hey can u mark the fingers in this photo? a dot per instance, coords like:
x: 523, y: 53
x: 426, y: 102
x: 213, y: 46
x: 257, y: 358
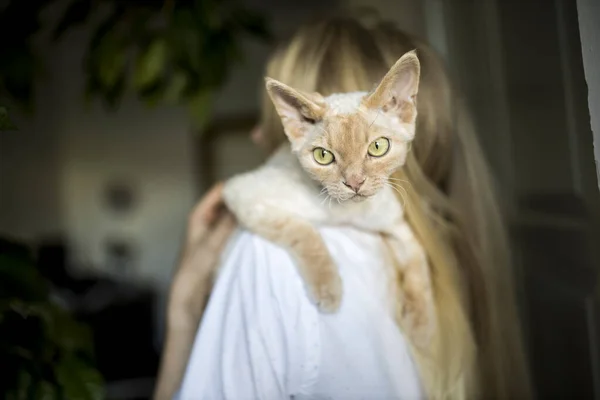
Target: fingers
x: 212, y: 203
x: 201, y: 256
x: 220, y: 233
x: 208, y: 238
x: 205, y: 213
x: 209, y: 205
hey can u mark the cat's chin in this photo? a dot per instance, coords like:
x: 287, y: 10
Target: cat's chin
x: 358, y: 198
x: 354, y: 197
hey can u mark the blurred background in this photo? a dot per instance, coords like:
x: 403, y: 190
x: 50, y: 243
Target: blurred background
x: 115, y: 120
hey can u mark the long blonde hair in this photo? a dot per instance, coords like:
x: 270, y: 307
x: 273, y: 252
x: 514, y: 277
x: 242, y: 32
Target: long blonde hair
x: 449, y: 201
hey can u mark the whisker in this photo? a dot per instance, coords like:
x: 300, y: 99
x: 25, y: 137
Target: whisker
x: 396, y: 182
x: 399, y: 180
x: 399, y: 192
x: 398, y: 186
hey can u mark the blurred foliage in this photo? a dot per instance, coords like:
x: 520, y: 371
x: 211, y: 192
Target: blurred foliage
x: 166, y: 51
x: 44, y: 352
x: 6, y: 123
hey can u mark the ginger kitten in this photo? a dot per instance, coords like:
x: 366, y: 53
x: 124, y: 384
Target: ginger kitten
x: 335, y: 171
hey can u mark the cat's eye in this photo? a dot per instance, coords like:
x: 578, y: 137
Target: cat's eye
x: 322, y: 156
x: 379, y: 147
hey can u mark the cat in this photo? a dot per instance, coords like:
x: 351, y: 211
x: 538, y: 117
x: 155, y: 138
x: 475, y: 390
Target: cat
x: 336, y: 170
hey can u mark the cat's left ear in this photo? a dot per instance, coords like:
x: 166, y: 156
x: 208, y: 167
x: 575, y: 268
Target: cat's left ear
x: 298, y: 110
x: 397, y: 92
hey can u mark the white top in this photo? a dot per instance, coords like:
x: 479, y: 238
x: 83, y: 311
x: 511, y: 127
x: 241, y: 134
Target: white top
x: 262, y: 338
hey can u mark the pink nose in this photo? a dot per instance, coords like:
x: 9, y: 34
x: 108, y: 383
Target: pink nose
x: 355, y: 183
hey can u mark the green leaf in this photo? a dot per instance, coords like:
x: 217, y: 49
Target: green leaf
x: 67, y: 333
x: 106, y: 63
x: 45, y: 391
x: 18, y: 67
x: 140, y: 20
x: 46, y: 330
x: 152, y: 95
x: 18, y: 275
x: 78, y: 380
x: 24, y: 384
x: 199, y: 108
x: 6, y: 123
x: 188, y: 39
x: 107, y: 26
x: 151, y: 63
x: 174, y: 91
x: 111, y: 63
x: 76, y: 14
x: 113, y: 95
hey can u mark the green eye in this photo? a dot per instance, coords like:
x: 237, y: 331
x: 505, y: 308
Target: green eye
x: 322, y: 156
x: 379, y: 147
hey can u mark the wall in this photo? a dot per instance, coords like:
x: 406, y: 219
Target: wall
x: 29, y: 164
x: 589, y: 28
x: 29, y: 202
x: 150, y: 150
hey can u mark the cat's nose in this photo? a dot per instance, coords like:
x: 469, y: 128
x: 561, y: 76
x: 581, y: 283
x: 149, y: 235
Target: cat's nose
x: 355, y: 183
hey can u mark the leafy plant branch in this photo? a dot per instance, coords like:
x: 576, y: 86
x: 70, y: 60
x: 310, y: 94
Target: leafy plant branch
x: 164, y: 51
x: 46, y: 353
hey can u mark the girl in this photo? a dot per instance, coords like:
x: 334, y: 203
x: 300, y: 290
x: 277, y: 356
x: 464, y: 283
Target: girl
x: 262, y: 338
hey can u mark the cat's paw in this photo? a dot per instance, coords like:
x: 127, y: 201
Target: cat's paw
x: 328, y: 292
x: 418, y: 319
x: 418, y: 309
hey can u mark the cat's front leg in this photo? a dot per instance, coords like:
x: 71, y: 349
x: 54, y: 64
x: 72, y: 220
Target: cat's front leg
x: 315, y: 264
x: 416, y: 313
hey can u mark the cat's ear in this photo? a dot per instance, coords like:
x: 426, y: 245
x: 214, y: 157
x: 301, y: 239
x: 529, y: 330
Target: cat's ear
x: 397, y: 92
x: 298, y: 110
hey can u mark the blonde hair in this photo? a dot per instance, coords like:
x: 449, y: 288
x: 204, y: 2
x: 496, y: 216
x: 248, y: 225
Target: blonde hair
x: 450, y: 204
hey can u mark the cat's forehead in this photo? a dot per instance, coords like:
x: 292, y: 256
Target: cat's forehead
x: 344, y: 103
x: 348, y: 119
x: 346, y: 134
x: 345, y: 118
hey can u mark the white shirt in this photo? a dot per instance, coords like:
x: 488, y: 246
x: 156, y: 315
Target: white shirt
x: 262, y: 338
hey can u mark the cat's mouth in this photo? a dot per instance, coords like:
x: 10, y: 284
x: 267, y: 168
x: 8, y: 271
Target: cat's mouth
x: 358, y: 197
x: 353, y: 197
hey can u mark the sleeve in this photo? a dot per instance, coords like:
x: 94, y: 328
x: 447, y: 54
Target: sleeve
x: 259, y: 337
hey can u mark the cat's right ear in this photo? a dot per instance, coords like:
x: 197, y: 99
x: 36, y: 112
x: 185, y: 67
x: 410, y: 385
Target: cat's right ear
x: 397, y: 92
x: 297, y: 110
